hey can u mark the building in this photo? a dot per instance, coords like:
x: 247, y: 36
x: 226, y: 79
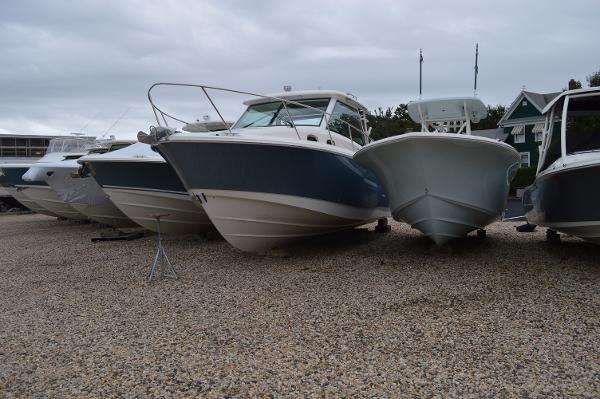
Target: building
x: 524, y: 124
x: 23, y: 147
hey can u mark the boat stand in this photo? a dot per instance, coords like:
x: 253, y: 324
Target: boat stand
x: 161, y: 254
x: 552, y: 237
x: 118, y: 235
x: 382, y: 225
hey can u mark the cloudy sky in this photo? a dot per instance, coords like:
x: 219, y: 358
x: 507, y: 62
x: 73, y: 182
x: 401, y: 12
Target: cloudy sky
x: 70, y: 66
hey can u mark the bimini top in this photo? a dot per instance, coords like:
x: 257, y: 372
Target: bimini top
x: 447, y: 109
x: 568, y: 93
x: 306, y: 94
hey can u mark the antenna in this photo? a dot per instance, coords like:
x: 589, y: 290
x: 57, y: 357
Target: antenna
x: 90, y: 121
x: 420, y: 73
x: 476, y: 68
x: 117, y: 121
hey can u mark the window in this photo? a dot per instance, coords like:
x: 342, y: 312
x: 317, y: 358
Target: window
x: 275, y: 114
x: 524, y: 159
x: 524, y: 103
x: 538, y: 131
x: 583, y: 124
x: 518, y: 133
x: 346, y: 121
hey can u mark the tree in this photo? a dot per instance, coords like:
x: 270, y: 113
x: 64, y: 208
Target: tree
x: 594, y: 79
x: 493, y: 117
x: 574, y: 84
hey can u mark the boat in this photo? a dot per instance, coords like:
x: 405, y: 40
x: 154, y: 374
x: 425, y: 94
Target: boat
x: 12, y: 181
x: 564, y: 196
x: 140, y: 184
x: 284, y: 171
x: 82, y: 192
x: 59, y: 149
x: 444, y: 180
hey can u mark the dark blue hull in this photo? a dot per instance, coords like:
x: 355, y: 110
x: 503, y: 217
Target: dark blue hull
x: 13, y: 176
x: 569, y: 196
x: 274, y: 169
x: 151, y: 176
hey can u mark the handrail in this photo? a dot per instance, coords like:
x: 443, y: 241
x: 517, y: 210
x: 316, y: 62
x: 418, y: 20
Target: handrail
x: 156, y: 110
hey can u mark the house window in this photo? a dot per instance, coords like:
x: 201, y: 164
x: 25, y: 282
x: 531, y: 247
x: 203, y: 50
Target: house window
x: 538, y: 131
x: 525, y: 159
x: 518, y: 133
x: 524, y: 103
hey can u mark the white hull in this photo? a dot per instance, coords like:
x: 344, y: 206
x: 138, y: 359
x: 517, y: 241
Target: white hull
x: 20, y: 196
x: 45, y: 197
x: 255, y: 222
x: 588, y: 231
x: 110, y: 216
x: 445, y: 185
x: 87, y: 197
x: 184, y: 216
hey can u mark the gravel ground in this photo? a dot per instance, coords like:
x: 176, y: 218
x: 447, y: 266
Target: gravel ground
x: 354, y: 314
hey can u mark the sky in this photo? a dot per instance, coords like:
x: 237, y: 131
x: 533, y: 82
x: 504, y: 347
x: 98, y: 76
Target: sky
x: 86, y: 66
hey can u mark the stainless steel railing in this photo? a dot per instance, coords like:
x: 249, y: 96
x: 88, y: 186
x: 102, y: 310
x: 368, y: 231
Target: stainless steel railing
x: 160, y: 114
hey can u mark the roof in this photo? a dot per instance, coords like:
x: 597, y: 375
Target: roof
x: 30, y: 136
x: 447, y: 109
x: 304, y: 94
x: 496, y: 134
x: 569, y: 92
x: 538, y: 100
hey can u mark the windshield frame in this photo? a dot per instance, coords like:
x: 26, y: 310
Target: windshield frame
x: 283, y: 110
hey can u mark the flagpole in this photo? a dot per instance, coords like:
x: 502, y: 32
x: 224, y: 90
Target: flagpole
x: 476, y: 68
x: 420, y: 73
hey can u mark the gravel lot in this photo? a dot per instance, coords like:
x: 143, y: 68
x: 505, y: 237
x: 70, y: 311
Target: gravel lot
x: 357, y: 313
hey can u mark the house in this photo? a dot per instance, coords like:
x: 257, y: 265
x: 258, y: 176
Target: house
x: 524, y: 124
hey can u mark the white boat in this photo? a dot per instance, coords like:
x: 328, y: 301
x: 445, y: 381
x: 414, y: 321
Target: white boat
x: 565, y: 194
x: 82, y: 192
x: 441, y: 183
x: 140, y: 183
x: 60, y: 149
x: 11, y: 179
x: 283, y: 172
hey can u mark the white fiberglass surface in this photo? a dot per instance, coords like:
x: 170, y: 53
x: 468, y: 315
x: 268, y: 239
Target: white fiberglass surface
x: 133, y: 151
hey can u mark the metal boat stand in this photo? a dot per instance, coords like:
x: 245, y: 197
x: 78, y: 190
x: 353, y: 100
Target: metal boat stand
x: 160, y: 254
x: 552, y: 237
x: 382, y: 226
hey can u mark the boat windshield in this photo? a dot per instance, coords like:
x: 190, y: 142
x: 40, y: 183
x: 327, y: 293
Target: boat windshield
x: 275, y: 114
x: 70, y: 144
x: 583, y: 124
x: 345, y: 120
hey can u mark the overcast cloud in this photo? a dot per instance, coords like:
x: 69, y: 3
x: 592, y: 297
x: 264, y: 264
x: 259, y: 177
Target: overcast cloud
x: 68, y: 65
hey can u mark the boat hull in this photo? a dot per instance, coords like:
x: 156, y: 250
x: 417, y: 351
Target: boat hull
x: 265, y: 195
x: 566, y: 200
x: 445, y: 185
x: 183, y: 216
x: 20, y: 196
x: 141, y: 189
x: 45, y: 197
x: 10, y: 177
x: 86, y: 196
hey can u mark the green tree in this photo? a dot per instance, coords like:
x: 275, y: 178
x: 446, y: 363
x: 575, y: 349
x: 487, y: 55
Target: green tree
x: 494, y: 115
x: 574, y: 84
x: 594, y: 79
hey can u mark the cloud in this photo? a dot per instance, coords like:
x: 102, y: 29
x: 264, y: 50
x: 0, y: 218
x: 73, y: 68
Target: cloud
x: 69, y: 64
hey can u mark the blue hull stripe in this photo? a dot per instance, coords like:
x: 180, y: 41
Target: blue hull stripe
x: 273, y: 169
x: 155, y: 176
x: 11, y: 177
